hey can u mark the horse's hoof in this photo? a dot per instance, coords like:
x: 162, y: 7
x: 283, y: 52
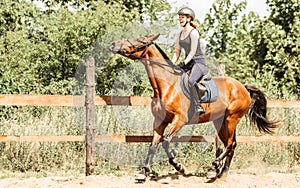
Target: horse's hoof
x: 140, y: 178
x: 181, y: 168
x: 211, y: 174
x: 223, y: 175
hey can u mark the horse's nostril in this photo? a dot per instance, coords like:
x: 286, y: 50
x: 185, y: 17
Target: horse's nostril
x: 112, y: 46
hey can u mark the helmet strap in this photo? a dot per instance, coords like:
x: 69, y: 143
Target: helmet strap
x: 186, y: 22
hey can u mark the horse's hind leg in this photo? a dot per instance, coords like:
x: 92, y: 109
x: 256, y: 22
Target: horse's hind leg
x: 219, y: 144
x: 217, y: 164
x: 228, y: 137
x: 229, y: 156
x: 226, y: 133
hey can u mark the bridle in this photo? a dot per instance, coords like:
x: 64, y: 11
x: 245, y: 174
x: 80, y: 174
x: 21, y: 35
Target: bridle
x: 144, y: 48
x: 136, y: 48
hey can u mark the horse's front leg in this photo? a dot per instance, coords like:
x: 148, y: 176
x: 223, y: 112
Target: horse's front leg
x: 159, y: 128
x: 171, y: 155
x: 175, y: 127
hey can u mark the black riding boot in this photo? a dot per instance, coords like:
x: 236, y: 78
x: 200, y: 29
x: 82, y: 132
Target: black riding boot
x: 196, y: 96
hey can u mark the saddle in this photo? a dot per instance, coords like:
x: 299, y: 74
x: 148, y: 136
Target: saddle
x: 206, y: 85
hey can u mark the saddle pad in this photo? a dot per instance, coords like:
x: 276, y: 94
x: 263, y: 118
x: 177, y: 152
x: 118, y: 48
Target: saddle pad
x: 211, y: 93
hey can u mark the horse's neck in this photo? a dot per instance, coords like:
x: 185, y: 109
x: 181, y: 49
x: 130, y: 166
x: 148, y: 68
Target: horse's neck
x: 159, y: 71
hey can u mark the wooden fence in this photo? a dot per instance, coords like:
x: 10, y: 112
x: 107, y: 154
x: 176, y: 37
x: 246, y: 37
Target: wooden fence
x: 73, y: 101
x: 79, y: 100
x: 130, y: 139
x: 90, y: 100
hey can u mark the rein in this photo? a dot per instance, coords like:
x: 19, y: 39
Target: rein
x: 150, y: 62
x: 136, y: 49
x: 144, y: 47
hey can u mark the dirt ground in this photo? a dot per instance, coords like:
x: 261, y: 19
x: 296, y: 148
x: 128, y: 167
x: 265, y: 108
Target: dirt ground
x: 169, y: 180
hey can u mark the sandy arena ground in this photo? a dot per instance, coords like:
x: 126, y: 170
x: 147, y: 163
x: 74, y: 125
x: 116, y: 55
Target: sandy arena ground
x: 169, y: 180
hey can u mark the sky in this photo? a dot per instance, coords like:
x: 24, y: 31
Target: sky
x: 201, y: 7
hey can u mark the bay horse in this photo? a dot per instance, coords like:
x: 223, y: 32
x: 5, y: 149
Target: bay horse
x: 170, y: 106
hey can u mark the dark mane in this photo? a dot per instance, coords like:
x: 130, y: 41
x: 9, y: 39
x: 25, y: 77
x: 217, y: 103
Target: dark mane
x: 162, y: 52
x: 164, y: 55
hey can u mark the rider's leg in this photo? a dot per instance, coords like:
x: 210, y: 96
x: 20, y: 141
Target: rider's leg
x: 196, y: 98
x: 196, y: 75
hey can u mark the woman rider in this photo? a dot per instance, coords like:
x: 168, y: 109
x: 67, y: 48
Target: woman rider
x: 189, y: 40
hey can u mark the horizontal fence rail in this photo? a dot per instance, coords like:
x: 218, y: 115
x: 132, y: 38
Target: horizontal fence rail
x: 71, y: 100
x: 132, y: 139
x: 79, y: 100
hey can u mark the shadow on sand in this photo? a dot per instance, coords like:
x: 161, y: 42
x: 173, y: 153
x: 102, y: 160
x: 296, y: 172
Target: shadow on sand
x: 176, y: 175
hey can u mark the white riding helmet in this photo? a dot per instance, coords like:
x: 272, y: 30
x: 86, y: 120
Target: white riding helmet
x: 187, y: 11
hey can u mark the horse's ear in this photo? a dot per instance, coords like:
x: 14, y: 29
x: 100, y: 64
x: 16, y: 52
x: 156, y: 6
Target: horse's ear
x: 153, y: 37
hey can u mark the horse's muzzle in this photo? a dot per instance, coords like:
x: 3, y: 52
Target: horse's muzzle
x: 113, y: 47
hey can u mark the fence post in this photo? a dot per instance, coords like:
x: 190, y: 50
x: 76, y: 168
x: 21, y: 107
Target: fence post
x: 221, y: 71
x: 90, y: 116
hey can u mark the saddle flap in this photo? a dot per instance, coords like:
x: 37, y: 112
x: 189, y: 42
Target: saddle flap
x: 206, y: 77
x: 208, y: 87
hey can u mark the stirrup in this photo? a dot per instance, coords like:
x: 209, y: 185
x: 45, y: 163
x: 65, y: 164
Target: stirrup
x: 200, y: 110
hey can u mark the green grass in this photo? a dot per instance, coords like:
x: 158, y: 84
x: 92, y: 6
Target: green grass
x: 40, y: 159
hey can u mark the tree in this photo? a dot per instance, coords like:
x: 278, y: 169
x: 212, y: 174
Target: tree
x: 15, y: 65
x: 42, y: 49
x: 220, y: 23
x: 277, y: 40
x: 262, y: 51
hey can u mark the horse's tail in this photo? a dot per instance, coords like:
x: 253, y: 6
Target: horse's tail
x: 258, y: 111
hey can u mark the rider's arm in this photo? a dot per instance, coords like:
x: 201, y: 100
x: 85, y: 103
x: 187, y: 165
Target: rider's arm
x: 177, y: 52
x: 194, y: 45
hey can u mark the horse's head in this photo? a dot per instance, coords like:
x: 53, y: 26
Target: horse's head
x: 133, y: 48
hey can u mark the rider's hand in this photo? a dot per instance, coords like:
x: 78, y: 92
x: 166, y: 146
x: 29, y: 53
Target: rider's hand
x: 181, y: 64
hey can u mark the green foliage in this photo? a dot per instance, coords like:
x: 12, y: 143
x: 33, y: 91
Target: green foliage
x: 250, y: 46
x: 277, y: 44
x: 155, y: 9
x: 222, y: 21
x: 16, y: 69
x: 41, y: 50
